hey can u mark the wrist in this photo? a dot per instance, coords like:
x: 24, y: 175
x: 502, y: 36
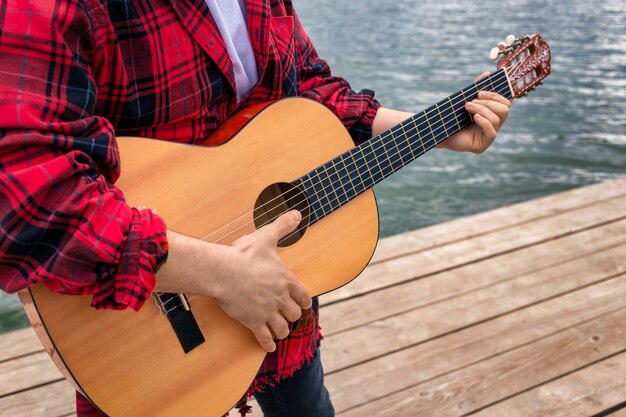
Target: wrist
x: 193, y: 266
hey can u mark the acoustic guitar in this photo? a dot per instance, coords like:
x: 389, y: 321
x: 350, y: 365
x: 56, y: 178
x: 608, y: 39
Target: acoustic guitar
x: 182, y: 355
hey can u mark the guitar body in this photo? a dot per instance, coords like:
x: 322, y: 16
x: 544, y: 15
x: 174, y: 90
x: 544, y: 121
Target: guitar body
x: 131, y: 363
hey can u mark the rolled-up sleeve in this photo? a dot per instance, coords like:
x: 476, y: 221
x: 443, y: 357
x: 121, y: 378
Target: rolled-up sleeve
x: 62, y: 220
x: 356, y: 110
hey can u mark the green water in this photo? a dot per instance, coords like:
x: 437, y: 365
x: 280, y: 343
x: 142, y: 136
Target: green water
x: 569, y: 133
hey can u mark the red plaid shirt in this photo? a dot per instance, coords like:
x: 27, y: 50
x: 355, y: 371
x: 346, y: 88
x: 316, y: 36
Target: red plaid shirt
x: 75, y: 73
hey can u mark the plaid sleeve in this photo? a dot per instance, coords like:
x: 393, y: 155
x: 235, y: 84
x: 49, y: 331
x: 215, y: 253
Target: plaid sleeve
x: 62, y: 221
x: 355, y: 109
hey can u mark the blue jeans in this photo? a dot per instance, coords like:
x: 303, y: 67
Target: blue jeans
x: 301, y: 395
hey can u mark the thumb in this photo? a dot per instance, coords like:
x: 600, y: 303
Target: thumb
x: 283, y: 225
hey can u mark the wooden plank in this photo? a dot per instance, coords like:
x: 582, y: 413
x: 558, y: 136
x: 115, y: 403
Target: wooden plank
x: 420, y: 264
x: 27, y: 371
x: 420, y: 324
x: 449, y: 234
x: 18, y: 343
x: 394, y: 300
x: 398, y: 370
x: 619, y: 413
x: 493, y: 220
x: 53, y: 400
x: 503, y: 375
x: 586, y: 392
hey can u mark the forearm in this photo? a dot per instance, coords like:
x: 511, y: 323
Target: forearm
x: 490, y: 111
x: 247, y: 278
x: 193, y: 266
x: 387, y: 118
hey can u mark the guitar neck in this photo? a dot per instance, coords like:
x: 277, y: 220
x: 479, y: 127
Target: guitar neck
x: 345, y: 177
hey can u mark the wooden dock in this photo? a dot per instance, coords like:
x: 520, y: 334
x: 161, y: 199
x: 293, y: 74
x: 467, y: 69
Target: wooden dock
x: 520, y: 311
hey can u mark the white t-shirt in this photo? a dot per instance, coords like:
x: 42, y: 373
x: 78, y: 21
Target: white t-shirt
x: 230, y: 17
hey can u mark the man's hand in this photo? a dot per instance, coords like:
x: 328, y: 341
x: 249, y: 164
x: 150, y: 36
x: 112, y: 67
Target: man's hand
x: 489, y: 111
x: 262, y: 293
x: 248, y: 278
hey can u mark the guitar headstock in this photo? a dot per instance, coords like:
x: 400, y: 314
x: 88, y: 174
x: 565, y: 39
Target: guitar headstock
x: 527, y: 62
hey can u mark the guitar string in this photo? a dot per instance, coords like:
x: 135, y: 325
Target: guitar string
x: 390, y: 163
x: 391, y: 132
x: 427, y: 144
x: 348, y: 168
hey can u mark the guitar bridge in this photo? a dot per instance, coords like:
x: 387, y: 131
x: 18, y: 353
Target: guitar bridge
x: 178, y: 311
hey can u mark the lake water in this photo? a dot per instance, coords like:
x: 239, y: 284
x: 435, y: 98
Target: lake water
x: 570, y: 132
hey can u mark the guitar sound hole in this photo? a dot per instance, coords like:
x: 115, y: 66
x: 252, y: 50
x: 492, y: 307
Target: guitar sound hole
x: 278, y: 199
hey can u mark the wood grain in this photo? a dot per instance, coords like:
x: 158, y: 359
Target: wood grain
x: 405, y: 268
x: 477, y: 333
x: 589, y: 391
x: 393, y: 300
x: 619, y: 413
x: 21, y: 342
x: 53, y: 400
x: 398, y: 370
x: 414, y: 326
x: 504, y: 375
x: 498, y: 219
x: 26, y: 372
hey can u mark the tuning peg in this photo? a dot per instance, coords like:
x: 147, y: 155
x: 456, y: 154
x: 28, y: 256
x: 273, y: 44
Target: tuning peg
x: 509, y: 40
x: 493, y: 54
x: 501, y: 46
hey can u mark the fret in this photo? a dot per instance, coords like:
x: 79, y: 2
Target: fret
x: 378, y: 171
x: 329, y: 190
x: 474, y: 94
x: 491, y: 83
x: 430, y: 127
x: 443, y: 123
x: 382, y: 143
x: 410, y: 132
x: 331, y: 183
x: 501, y: 82
x: 357, y: 171
x: 366, y: 170
x: 449, y: 117
x: 335, y: 183
x: 394, y: 160
x: 347, y: 175
x: 393, y: 138
x: 355, y: 180
x: 502, y: 85
x: 454, y: 113
x: 408, y: 141
x: 419, y: 135
x: 311, y: 193
x: 324, y: 200
x: 459, y: 110
x: 334, y: 179
x: 381, y: 157
x: 465, y: 101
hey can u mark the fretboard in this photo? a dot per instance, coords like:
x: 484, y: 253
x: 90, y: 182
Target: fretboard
x: 343, y: 178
